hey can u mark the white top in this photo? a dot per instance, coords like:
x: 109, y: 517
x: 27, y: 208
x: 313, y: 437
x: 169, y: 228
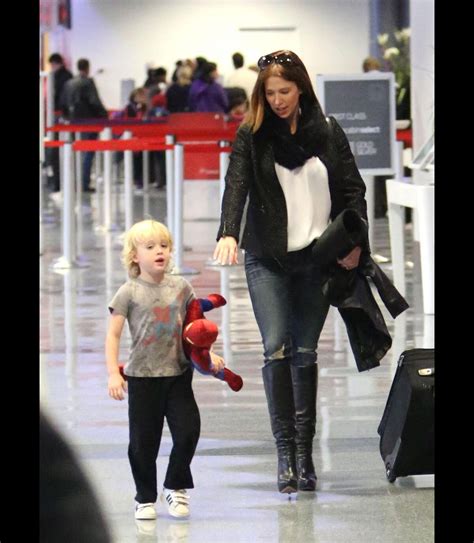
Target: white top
x: 243, y: 78
x: 308, y: 201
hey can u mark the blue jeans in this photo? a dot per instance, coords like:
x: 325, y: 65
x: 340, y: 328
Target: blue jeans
x: 288, y: 304
x: 87, y: 159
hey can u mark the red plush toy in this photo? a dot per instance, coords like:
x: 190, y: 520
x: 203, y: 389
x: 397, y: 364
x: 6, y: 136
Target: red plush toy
x: 198, y: 336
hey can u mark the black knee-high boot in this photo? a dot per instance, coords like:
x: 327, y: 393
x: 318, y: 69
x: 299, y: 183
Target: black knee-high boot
x: 305, y: 386
x: 279, y: 393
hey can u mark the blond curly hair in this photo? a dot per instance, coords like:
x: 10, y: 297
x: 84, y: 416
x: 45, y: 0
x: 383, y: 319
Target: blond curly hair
x: 141, y: 232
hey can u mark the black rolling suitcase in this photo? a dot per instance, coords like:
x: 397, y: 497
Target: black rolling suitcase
x: 407, y: 426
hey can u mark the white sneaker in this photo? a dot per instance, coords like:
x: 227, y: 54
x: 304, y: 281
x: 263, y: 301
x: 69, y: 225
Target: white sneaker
x: 177, y: 502
x: 145, y: 511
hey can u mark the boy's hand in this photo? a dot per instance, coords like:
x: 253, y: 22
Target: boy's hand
x: 117, y: 386
x: 217, y: 363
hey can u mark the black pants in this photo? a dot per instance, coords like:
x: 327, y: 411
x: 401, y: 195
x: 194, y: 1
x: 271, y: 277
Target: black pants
x: 158, y: 167
x: 150, y: 400
x: 52, y: 160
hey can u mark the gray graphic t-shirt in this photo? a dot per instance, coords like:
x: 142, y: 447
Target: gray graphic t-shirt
x: 155, y: 315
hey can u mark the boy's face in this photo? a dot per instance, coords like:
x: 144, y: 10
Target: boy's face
x: 153, y: 257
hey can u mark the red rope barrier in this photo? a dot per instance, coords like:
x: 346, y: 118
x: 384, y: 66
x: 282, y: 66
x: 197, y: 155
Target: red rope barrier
x: 53, y: 143
x: 157, y: 130
x: 75, y: 128
x: 120, y: 145
x: 137, y: 144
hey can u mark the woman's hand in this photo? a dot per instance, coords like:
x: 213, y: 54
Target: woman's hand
x: 117, y: 386
x: 351, y: 260
x: 217, y: 363
x: 226, y: 251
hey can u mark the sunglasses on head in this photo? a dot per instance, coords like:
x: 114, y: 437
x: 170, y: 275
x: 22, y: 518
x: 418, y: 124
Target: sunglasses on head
x: 285, y: 59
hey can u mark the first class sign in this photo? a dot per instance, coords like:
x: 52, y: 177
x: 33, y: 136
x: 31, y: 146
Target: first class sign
x: 364, y: 106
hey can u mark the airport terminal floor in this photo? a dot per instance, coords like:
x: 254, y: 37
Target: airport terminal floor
x: 235, y: 499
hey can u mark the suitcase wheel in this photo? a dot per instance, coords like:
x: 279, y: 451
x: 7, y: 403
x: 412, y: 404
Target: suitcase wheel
x: 390, y: 476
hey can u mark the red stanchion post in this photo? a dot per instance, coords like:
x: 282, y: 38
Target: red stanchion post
x: 225, y: 321
x: 223, y: 165
x: 146, y: 170
x: 128, y: 183
x: 67, y: 260
x: 179, y: 268
x: 80, y: 257
x: 98, y: 166
x: 169, y: 156
x: 178, y: 203
x: 78, y: 137
x: 108, y: 226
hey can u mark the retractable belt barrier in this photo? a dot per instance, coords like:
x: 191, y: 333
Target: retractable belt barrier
x: 128, y: 145
x: 159, y: 129
x: 132, y: 144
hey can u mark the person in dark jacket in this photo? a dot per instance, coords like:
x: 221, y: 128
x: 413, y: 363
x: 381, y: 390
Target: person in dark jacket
x: 69, y: 509
x: 299, y: 173
x: 178, y: 92
x: 60, y: 75
x: 80, y: 100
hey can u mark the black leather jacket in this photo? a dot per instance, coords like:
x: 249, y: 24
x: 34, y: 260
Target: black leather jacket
x: 252, y: 172
x: 80, y: 99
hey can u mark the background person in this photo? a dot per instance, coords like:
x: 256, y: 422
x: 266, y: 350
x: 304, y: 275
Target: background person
x: 241, y: 76
x: 371, y: 64
x: 206, y: 94
x: 60, y: 76
x: 80, y: 100
x: 68, y: 507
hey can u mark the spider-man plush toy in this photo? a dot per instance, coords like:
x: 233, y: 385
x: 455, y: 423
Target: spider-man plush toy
x: 198, y: 336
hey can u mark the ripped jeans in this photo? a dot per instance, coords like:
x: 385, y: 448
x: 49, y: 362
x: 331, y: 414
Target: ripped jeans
x: 288, y: 304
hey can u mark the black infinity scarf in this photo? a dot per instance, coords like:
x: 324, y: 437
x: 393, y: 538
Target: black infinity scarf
x: 293, y: 150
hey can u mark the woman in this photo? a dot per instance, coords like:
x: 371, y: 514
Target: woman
x: 206, y: 94
x: 177, y: 93
x: 297, y: 168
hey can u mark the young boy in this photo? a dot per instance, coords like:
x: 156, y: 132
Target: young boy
x: 158, y: 374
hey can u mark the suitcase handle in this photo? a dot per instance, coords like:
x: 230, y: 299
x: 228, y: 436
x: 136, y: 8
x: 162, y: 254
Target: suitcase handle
x: 426, y: 371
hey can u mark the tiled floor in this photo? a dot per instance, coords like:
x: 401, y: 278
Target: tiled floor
x: 235, y: 499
